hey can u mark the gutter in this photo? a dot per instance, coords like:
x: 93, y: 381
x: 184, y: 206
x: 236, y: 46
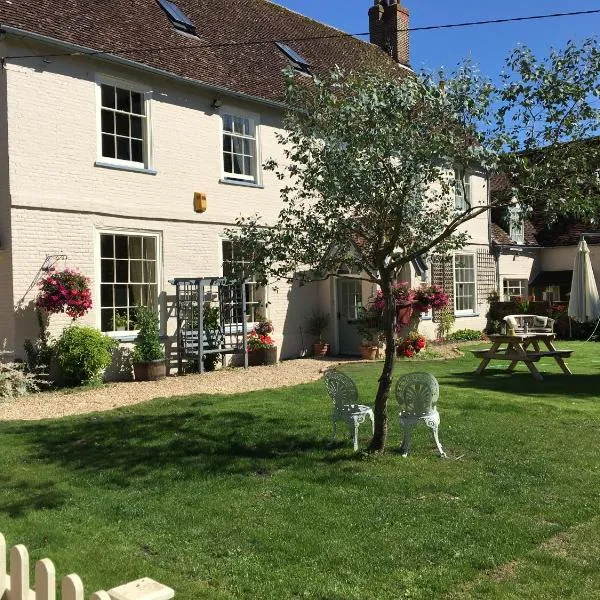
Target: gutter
x: 112, y: 58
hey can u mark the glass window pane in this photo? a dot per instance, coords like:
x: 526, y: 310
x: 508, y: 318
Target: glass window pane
x: 106, y: 246
x: 238, y: 168
x: 152, y: 298
x: 108, y: 96
x: 121, y: 295
x: 106, y: 319
x: 248, y: 144
x: 122, y: 271
x: 136, y: 127
x: 106, y: 296
x: 108, y: 121
x: 123, y: 100
x: 122, y: 124
x: 137, y: 105
x: 137, y: 151
x: 227, y: 123
x: 227, y: 163
x: 227, y: 250
x: 238, y: 125
x: 123, y: 152
x: 135, y: 247
x: 238, y: 146
x: 136, y: 271
x: 108, y: 146
x: 247, y: 166
x: 136, y: 297
x: 121, y: 246
x: 150, y: 248
x: 227, y: 144
x: 149, y: 272
x: 107, y: 270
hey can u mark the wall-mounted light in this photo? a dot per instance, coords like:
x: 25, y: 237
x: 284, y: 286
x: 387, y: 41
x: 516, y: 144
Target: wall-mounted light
x: 216, y: 104
x: 199, y: 202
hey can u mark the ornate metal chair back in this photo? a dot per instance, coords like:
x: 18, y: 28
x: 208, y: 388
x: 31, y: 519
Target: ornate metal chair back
x: 341, y: 388
x: 417, y: 394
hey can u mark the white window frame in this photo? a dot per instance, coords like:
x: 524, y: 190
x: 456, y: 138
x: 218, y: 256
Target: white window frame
x: 132, y: 334
x: 462, y: 202
x: 146, y: 164
x: 255, y: 177
x: 249, y: 324
x: 525, y: 288
x: 516, y: 226
x: 468, y: 312
x: 551, y: 289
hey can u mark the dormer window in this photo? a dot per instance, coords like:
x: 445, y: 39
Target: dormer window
x: 179, y: 20
x: 517, y: 226
x: 298, y: 62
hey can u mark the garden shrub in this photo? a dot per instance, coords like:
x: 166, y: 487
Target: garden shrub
x: 147, y: 344
x: 82, y: 354
x: 14, y: 381
x: 465, y: 335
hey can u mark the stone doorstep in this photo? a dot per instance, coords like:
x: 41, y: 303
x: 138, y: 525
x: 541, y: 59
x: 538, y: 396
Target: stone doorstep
x: 142, y: 589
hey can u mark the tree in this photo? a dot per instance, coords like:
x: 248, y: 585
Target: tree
x: 369, y: 175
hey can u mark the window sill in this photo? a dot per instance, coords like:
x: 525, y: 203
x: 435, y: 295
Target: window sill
x: 122, y: 336
x: 463, y: 315
x: 242, y: 183
x: 132, y: 169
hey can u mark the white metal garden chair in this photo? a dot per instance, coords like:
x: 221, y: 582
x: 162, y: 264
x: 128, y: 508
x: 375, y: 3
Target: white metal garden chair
x: 344, y: 394
x: 417, y: 394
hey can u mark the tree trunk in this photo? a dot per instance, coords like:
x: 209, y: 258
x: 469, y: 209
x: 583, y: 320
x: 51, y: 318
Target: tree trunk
x: 385, y: 380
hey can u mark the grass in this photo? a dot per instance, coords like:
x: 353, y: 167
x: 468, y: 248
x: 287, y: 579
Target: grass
x: 242, y: 497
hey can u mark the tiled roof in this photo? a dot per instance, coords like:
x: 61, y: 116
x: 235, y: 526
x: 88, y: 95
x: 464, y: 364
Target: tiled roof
x: 130, y: 27
x: 501, y: 238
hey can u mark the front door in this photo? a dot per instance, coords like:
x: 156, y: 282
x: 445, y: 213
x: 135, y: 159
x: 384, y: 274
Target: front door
x: 349, y: 302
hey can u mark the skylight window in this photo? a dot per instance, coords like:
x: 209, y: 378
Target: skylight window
x: 179, y: 20
x: 299, y: 62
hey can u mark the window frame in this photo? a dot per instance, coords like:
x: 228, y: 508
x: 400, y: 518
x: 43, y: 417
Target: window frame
x: 227, y: 177
x: 551, y: 289
x: 463, y: 312
x: 147, y: 163
x: 524, y: 289
x: 127, y: 336
x: 467, y: 198
x: 249, y: 324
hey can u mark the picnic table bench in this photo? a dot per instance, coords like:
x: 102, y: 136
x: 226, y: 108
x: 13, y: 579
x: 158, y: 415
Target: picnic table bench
x: 518, y: 350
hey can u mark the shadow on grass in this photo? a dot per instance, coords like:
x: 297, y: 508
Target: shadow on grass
x: 522, y: 383
x: 126, y: 447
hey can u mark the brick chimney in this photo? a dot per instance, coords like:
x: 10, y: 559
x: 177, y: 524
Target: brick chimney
x: 388, y: 22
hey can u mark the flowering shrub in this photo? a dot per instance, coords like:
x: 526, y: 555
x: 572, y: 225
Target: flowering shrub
x: 420, y: 299
x: 432, y: 296
x: 264, y: 328
x: 412, y: 345
x: 256, y: 341
x: 65, y: 291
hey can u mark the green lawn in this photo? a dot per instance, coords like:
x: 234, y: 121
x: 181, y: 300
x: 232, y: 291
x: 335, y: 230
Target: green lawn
x: 241, y: 497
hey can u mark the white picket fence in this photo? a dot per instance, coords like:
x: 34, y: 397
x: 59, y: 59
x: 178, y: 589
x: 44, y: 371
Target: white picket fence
x: 14, y: 584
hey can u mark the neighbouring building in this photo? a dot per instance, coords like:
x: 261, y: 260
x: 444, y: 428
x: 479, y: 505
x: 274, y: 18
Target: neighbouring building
x: 114, y: 114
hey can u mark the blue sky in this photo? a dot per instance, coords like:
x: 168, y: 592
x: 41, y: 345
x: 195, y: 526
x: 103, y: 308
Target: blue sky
x: 488, y: 45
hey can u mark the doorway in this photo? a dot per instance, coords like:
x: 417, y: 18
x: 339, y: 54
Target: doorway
x: 349, y: 303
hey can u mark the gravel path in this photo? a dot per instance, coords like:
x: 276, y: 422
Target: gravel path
x: 50, y: 405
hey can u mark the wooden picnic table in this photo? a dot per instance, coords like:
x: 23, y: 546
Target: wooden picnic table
x: 522, y: 347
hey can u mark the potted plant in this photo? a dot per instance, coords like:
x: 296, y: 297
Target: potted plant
x: 369, y: 327
x: 120, y: 322
x: 261, y: 347
x: 148, y: 356
x: 316, y: 326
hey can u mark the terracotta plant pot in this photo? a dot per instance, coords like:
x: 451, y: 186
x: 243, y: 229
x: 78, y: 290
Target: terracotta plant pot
x: 369, y: 352
x: 320, y: 349
x: 150, y: 371
x: 262, y: 356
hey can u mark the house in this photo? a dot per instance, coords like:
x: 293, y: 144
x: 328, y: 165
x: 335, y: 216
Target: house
x: 115, y: 116
x: 535, y: 259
